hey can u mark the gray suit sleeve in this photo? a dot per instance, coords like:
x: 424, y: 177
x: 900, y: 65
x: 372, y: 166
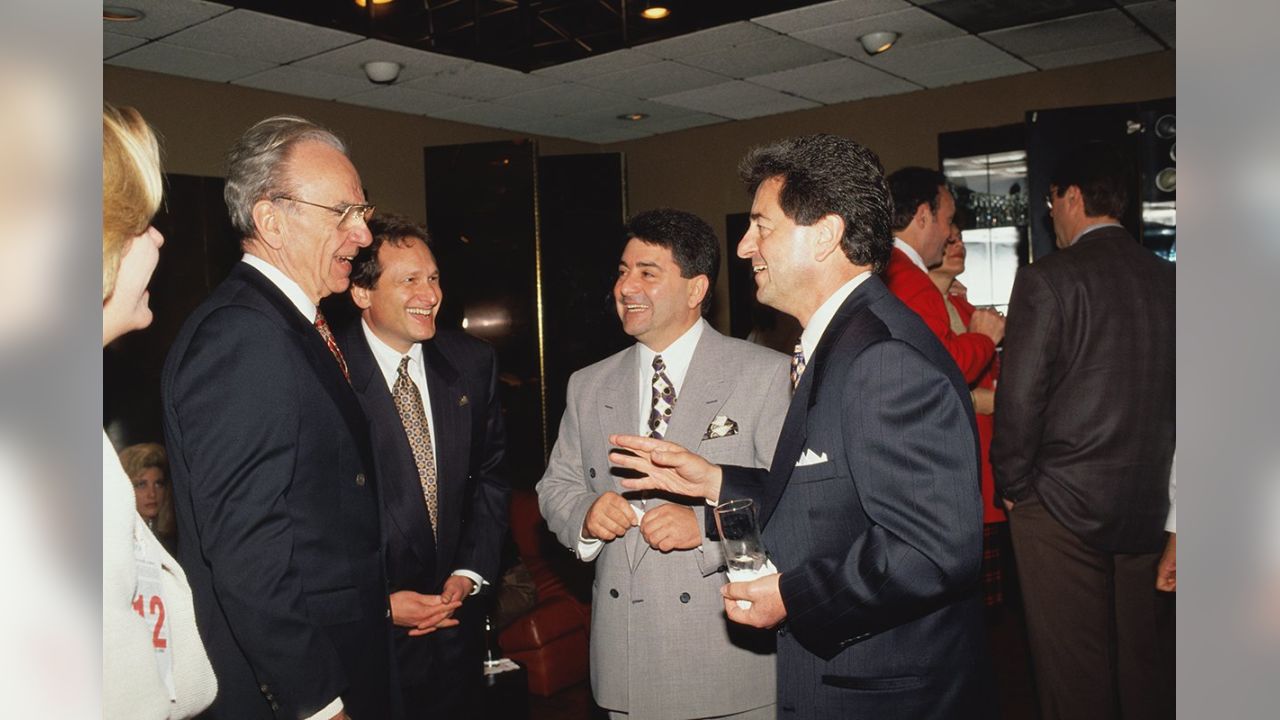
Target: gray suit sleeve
x: 564, y: 493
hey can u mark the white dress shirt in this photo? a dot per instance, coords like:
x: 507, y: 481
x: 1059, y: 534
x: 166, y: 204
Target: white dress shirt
x: 910, y: 252
x: 1090, y: 228
x: 676, y: 357
x: 286, y: 285
x: 388, y: 360
x: 821, y: 317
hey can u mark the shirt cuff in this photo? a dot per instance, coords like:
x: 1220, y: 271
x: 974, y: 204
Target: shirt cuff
x: 588, y: 549
x: 328, y: 711
x: 477, y: 581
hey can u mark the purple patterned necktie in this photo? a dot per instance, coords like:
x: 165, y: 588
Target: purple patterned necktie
x: 664, y: 400
x: 797, y: 365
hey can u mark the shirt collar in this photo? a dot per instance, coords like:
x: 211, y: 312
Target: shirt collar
x: 1091, y: 228
x: 676, y: 357
x: 910, y: 252
x: 291, y: 289
x: 822, y: 316
x: 388, y: 358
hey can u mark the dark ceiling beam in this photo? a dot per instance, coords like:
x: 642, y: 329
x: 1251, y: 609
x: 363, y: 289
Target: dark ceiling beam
x: 564, y: 34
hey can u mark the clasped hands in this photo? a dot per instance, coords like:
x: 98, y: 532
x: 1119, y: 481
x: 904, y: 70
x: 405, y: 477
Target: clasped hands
x: 664, y: 527
x: 424, y: 614
x: 669, y: 467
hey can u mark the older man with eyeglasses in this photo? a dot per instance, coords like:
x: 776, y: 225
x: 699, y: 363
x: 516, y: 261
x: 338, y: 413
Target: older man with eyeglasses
x: 271, y: 462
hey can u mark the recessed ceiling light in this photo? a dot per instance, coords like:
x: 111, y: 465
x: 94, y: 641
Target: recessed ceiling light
x: 116, y: 13
x: 877, y: 42
x: 634, y: 117
x: 654, y: 11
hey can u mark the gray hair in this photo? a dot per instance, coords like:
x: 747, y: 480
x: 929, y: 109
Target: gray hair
x: 257, y: 162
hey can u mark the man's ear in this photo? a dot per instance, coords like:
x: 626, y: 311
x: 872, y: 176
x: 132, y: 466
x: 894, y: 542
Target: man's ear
x: 267, y: 220
x: 699, y: 286
x: 923, y: 215
x: 360, y: 296
x: 829, y: 232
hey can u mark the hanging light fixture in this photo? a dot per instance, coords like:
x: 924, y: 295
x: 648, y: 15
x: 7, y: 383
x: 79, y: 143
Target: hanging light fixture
x: 362, y: 3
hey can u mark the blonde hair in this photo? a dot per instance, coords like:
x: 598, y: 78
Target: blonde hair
x: 132, y: 186
x: 136, y: 458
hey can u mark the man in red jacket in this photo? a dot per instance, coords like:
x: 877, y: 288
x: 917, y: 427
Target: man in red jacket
x: 923, y: 209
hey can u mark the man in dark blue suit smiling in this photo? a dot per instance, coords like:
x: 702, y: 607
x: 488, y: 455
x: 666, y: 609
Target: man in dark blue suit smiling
x: 871, y: 509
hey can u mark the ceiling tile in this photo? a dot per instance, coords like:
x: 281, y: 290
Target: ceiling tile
x: 597, y: 65
x: 349, y: 60
x: 659, y: 78
x: 973, y: 73
x: 400, y: 98
x: 759, y: 57
x: 738, y: 100
x: 500, y: 116
x: 918, y: 63
x: 1094, y: 53
x: 828, y: 13
x: 915, y: 26
x: 714, y: 38
x: 246, y: 33
x: 163, y: 17
x: 478, y: 81
x: 835, y: 81
x: 294, y: 80
x: 1096, y: 28
x: 164, y: 58
x: 562, y: 99
x: 113, y: 44
x: 1159, y: 18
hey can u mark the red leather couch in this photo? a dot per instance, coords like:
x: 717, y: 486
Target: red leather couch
x: 551, y: 639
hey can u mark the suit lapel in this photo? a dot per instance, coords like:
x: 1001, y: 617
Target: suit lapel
x: 318, y: 356
x: 451, y: 435
x: 399, y: 486
x: 795, y: 429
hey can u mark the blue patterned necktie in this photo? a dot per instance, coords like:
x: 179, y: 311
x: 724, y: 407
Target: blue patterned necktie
x: 664, y: 400
x: 414, y: 418
x: 797, y: 365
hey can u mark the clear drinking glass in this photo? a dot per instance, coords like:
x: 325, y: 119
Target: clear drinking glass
x: 744, y: 551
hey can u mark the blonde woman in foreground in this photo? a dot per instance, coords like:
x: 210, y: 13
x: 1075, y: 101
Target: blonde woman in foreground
x: 153, y: 663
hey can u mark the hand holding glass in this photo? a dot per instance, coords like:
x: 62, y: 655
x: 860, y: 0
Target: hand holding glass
x: 744, y: 552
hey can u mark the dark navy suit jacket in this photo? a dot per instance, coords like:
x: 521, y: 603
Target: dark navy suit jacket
x: 277, y: 508
x: 880, y: 545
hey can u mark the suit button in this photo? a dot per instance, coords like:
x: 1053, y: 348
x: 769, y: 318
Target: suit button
x: 591, y: 472
x: 684, y: 598
x: 613, y: 592
x: 360, y: 479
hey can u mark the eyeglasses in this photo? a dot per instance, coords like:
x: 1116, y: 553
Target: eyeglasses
x: 345, y: 213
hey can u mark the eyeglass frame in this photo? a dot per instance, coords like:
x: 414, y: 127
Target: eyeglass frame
x: 1048, y: 199
x: 343, y: 212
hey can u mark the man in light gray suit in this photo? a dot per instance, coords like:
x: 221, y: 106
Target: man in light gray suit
x: 658, y: 577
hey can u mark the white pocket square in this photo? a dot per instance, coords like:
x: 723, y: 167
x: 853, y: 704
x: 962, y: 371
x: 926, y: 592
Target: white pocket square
x: 721, y: 426
x: 811, y: 458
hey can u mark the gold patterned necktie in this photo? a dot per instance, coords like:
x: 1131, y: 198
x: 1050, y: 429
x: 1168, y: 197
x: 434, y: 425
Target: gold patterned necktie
x: 664, y: 400
x: 414, y: 418
x: 323, y: 326
x: 797, y: 365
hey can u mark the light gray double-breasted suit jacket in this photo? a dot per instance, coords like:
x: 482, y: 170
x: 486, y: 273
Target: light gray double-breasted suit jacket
x: 661, y: 646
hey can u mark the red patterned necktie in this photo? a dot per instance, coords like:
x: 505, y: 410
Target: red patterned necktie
x: 323, y: 326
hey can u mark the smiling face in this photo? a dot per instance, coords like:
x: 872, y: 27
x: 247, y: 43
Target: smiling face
x: 655, y: 303
x: 402, y: 305
x: 149, y: 488
x: 780, y: 252
x: 316, y: 247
